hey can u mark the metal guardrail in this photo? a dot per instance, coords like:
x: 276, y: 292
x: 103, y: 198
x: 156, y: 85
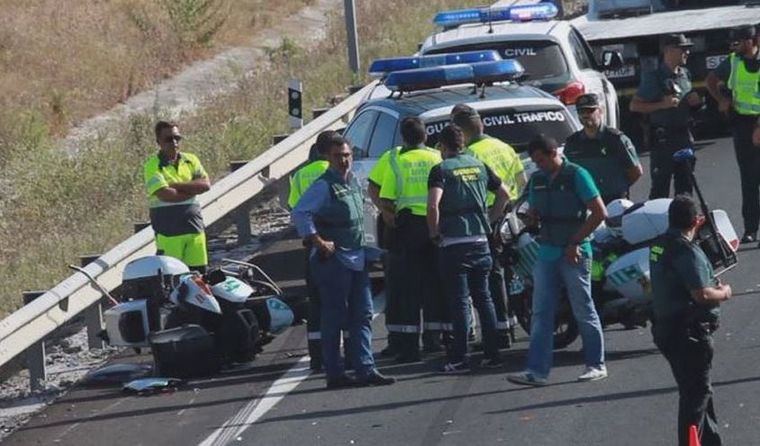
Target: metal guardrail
x: 26, y: 328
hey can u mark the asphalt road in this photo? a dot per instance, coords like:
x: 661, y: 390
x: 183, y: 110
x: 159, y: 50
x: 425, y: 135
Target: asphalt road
x: 636, y: 405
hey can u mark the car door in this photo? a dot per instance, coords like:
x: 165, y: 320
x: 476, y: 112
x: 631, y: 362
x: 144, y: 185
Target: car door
x: 371, y: 133
x: 594, y: 79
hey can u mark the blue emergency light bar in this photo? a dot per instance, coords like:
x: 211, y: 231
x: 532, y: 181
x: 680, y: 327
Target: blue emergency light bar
x: 381, y: 67
x: 538, y: 11
x: 475, y: 73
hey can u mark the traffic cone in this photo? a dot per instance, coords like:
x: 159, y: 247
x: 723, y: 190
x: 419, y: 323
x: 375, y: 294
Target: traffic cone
x: 693, y: 436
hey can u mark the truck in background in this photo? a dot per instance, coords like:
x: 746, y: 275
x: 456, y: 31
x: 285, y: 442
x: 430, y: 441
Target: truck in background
x: 633, y: 28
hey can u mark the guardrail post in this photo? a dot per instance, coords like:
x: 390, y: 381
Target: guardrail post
x: 35, y: 354
x: 243, y: 214
x: 276, y: 139
x: 139, y: 226
x: 317, y: 112
x: 93, y: 316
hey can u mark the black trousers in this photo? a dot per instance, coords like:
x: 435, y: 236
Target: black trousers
x: 414, y: 284
x: 748, y: 159
x: 662, y: 168
x: 690, y: 354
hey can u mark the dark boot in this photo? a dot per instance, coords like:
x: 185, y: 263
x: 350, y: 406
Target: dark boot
x: 315, y: 355
x: 409, y: 348
x: 431, y: 341
x: 392, y: 348
x: 348, y: 363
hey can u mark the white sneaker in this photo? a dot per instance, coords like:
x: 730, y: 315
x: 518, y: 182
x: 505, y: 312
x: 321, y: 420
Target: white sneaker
x: 593, y: 373
x: 526, y: 378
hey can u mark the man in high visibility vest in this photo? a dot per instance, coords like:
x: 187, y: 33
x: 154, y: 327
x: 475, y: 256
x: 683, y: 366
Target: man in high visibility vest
x: 299, y: 183
x: 173, y: 179
x: 502, y: 159
x: 740, y: 73
x: 414, y: 282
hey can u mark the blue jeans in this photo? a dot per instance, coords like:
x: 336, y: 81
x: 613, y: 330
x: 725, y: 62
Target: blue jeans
x: 548, y: 277
x: 464, y: 273
x: 346, y: 302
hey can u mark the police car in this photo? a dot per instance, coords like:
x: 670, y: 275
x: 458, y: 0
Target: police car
x: 555, y: 55
x: 510, y: 111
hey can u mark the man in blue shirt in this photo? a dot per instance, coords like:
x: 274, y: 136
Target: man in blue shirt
x: 330, y: 218
x: 560, y: 195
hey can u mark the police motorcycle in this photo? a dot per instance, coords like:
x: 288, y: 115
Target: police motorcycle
x: 620, y: 271
x: 237, y: 309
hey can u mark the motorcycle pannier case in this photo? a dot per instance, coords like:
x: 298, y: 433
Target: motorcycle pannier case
x: 184, y: 352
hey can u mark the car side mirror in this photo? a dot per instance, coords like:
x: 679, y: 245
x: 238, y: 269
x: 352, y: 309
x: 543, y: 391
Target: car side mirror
x: 612, y: 60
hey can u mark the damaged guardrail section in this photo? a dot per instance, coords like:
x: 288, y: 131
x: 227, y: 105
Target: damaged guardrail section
x: 26, y: 328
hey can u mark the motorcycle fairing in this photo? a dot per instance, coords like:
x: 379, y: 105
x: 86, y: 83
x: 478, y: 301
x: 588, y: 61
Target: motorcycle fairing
x: 232, y: 290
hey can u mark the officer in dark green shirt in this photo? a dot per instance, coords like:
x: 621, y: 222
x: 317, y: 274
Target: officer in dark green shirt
x: 686, y: 299
x: 606, y: 153
x: 666, y: 97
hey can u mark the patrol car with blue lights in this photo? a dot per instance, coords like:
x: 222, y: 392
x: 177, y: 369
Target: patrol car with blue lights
x: 428, y: 87
x: 555, y: 55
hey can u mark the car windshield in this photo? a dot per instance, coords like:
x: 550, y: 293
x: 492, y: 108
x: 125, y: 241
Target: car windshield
x: 516, y: 126
x: 542, y: 59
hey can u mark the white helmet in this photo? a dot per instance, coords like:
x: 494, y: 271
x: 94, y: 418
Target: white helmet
x: 615, y: 210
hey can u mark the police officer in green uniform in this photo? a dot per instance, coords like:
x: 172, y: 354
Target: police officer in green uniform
x: 173, y: 179
x: 665, y: 96
x: 740, y: 73
x: 299, y: 183
x: 414, y: 283
x: 606, y: 153
x: 686, y: 308
x: 502, y: 159
x: 458, y: 221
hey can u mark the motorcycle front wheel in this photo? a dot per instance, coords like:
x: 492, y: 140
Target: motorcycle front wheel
x: 565, y: 327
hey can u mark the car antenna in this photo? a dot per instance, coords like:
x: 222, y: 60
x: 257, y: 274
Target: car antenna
x: 490, y: 20
x: 482, y: 91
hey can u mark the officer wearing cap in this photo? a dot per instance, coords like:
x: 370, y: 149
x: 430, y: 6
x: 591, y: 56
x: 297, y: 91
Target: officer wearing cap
x: 605, y: 152
x: 740, y: 73
x: 666, y: 97
x: 413, y: 286
x: 686, y: 298
x: 299, y: 183
x: 502, y: 159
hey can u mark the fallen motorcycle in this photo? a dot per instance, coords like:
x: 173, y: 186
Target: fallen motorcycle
x: 235, y: 312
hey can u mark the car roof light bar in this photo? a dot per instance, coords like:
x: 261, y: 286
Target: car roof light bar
x: 539, y: 11
x: 475, y: 73
x: 382, y: 67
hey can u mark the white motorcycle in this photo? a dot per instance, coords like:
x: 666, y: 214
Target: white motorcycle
x: 620, y: 273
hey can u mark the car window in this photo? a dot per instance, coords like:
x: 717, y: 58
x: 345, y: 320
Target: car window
x: 383, y: 136
x: 579, y: 51
x: 541, y: 59
x: 360, y: 130
x: 517, y: 126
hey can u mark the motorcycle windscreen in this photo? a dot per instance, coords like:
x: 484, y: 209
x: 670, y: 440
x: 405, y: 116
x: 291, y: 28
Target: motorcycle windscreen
x: 232, y: 290
x: 725, y: 228
x: 629, y: 275
x: 280, y: 314
x: 646, y: 222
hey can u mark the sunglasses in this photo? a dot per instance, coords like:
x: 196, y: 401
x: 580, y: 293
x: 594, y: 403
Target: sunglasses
x: 172, y: 138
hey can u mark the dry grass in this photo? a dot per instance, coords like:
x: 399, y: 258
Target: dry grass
x: 54, y: 209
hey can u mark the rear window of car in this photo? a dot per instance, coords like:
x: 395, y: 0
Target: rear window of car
x: 516, y: 126
x: 541, y: 59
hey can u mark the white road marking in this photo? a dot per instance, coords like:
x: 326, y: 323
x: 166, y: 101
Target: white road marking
x: 258, y: 407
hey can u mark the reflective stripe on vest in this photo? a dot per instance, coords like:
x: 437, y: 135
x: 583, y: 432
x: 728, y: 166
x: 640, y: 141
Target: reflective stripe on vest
x: 744, y: 86
x: 411, y: 169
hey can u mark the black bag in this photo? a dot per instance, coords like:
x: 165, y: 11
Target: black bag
x: 184, y: 352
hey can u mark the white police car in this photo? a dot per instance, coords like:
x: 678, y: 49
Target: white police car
x: 511, y: 112
x: 555, y: 55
